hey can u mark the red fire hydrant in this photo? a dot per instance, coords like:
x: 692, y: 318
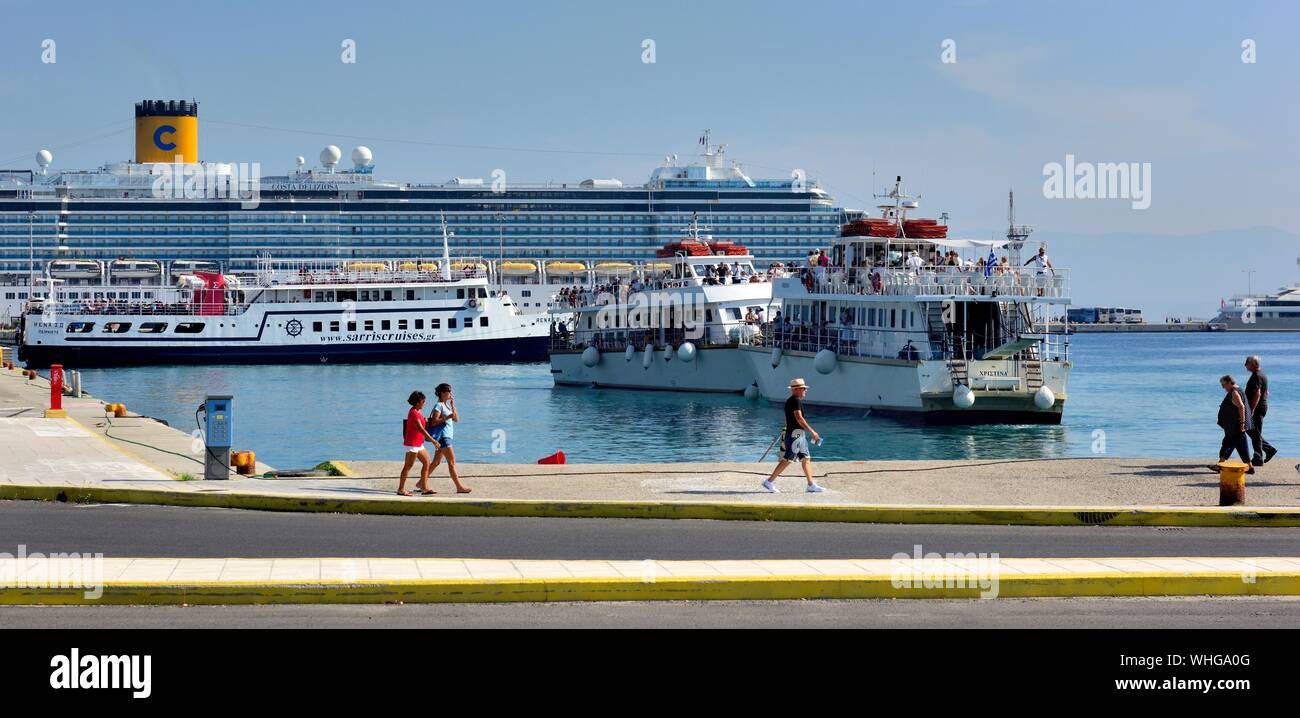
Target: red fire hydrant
x: 56, y: 394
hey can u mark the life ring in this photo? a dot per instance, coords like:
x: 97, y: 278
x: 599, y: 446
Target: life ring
x: 473, y: 303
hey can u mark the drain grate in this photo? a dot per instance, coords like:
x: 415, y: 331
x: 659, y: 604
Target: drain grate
x: 1093, y: 518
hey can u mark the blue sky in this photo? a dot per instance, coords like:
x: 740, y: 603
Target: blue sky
x: 835, y: 88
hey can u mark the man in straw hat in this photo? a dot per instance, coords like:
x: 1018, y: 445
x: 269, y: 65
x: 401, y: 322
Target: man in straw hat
x: 794, y: 439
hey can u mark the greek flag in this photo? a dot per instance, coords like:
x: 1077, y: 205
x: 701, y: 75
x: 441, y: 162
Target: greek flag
x: 988, y: 267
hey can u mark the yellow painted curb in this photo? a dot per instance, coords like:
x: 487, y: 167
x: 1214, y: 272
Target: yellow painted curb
x: 704, y: 588
x: 1234, y: 516
x: 343, y: 468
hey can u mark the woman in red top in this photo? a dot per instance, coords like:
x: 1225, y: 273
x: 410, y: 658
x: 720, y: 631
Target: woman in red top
x: 414, y: 434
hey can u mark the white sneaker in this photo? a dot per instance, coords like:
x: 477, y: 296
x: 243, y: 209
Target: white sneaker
x: 771, y: 487
x: 815, y: 489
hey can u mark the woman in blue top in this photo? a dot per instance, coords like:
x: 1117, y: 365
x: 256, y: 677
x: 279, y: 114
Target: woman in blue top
x: 442, y: 424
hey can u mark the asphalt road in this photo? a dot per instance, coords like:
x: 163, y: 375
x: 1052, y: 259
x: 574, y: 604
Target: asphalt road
x: 999, y: 613
x: 158, y: 531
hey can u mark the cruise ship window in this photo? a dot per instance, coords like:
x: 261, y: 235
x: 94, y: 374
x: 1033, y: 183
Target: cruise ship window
x: 435, y: 324
x: 189, y: 327
x: 451, y: 323
x: 482, y: 321
x: 352, y: 326
x: 410, y: 294
x: 401, y: 325
x: 460, y: 293
x: 369, y: 325
x: 316, y: 326
x: 893, y: 315
x: 388, y: 295
x: 419, y: 323
x: 153, y: 327
x: 385, y: 325
x: 334, y: 326
x: 80, y: 327
x: 117, y: 327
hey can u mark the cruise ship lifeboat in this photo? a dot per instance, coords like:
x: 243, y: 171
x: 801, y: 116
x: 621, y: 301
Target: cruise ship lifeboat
x: 134, y: 269
x: 615, y: 268
x: 565, y: 269
x: 518, y: 269
x: 75, y: 269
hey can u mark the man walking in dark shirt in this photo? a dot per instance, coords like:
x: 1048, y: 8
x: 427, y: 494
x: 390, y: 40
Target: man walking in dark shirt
x: 1257, y: 403
x: 794, y: 439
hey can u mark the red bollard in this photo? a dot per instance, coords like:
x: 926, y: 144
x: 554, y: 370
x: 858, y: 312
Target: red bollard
x: 56, y: 394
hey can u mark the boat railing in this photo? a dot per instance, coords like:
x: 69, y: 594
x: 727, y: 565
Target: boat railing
x: 396, y: 276
x: 898, y: 343
x: 610, y: 294
x: 140, y: 308
x: 716, y: 334
x: 938, y: 280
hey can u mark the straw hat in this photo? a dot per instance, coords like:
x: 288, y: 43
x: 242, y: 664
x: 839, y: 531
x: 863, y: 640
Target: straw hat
x: 798, y: 384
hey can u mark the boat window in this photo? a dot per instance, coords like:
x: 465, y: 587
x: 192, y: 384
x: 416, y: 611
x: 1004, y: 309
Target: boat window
x: 460, y: 293
x: 482, y: 321
x: 435, y: 324
x: 482, y: 293
x: 451, y: 323
x: 349, y: 295
x: 419, y: 323
x: 735, y: 312
x: 388, y: 295
x: 189, y: 327
x: 316, y: 326
x: 410, y: 294
x: 80, y: 327
x: 153, y: 327
x: 893, y: 315
x: 385, y: 325
x: 352, y: 326
x: 370, y: 325
x: 401, y: 325
x: 334, y: 326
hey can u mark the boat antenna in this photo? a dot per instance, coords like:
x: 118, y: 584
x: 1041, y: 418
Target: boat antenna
x: 1016, y: 233
x: 446, y: 251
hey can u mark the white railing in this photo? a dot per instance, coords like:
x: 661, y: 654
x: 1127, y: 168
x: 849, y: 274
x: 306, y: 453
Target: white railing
x: 1020, y: 282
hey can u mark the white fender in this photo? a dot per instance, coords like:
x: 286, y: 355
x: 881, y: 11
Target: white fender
x: 1044, y: 398
x: 686, y: 352
x: 629, y: 353
x: 590, y: 356
x: 668, y: 352
x: 825, y: 361
x: 648, y: 355
x: 963, y: 397
x: 751, y: 392
x: 776, y: 357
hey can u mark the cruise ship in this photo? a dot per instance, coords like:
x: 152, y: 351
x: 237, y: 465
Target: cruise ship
x: 127, y: 230
x: 1276, y: 312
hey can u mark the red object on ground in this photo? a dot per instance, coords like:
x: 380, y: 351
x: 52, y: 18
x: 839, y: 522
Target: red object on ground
x: 56, y: 387
x: 556, y: 458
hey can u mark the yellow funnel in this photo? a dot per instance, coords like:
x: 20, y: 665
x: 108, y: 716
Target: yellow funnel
x: 166, y: 131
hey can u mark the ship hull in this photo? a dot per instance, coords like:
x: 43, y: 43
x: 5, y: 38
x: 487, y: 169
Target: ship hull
x: 720, y: 370
x: 513, y: 349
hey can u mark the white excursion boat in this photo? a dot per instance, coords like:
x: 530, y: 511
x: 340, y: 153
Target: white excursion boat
x: 1276, y: 312
x: 292, y: 312
x: 889, y: 329
x: 676, y: 325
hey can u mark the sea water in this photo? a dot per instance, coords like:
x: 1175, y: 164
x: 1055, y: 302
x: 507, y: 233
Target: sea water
x: 1141, y: 395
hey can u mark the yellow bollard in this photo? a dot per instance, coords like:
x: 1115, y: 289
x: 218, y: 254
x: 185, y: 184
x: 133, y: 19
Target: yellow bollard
x: 1232, y: 483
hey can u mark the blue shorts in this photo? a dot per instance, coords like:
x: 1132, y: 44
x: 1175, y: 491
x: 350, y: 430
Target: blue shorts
x: 795, y: 446
x: 443, y: 441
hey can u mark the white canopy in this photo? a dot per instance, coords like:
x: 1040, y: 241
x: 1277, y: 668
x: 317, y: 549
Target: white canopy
x: 969, y: 243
